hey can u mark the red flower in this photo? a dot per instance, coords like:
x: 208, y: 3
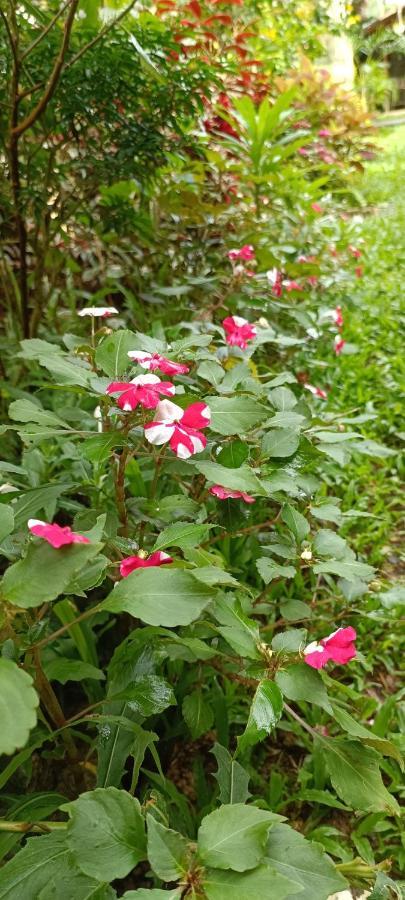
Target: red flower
x: 338, y: 316
x: 238, y: 331
x: 130, y: 563
x: 316, y: 208
x: 354, y: 251
x: 246, y: 253
x: 313, y: 280
x: 324, y: 133
x: 225, y: 494
x: 153, y: 361
x: 55, y: 535
x: 275, y: 278
x: 316, y: 391
x: 180, y: 428
x: 143, y: 389
x: 292, y: 286
x: 338, y: 344
x: 359, y: 271
x: 338, y: 646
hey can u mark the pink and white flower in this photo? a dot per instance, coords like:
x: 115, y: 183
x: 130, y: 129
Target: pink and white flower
x: 355, y: 252
x: 142, y: 561
x: 338, y: 647
x: 316, y: 391
x: 143, y: 390
x: 238, y: 331
x: 101, y: 312
x: 180, y: 428
x: 153, y: 361
x: 56, y: 535
x: 275, y: 277
x: 245, y: 253
x: 336, y: 315
x: 225, y: 494
x: 338, y: 344
x: 292, y: 286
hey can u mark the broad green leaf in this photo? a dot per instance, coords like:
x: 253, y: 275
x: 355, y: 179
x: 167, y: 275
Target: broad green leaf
x: 282, y: 398
x: 97, y: 449
x: 6, y: 520
x: 234, y: 415
x: 212, y: 575
x: 181, y: 534
x: 18, y: 706
x: 238, y: 630
x: 233, y: 455
x: 106, y: 833
x: 31, y: 808
x: 356, y: 730
x: 65, y: 371
x: 38, y: 500
x: 295, y: 610
x: 112, y: 353
x: 295, y: 521
x: 293, y: 639
x: 63, y: 670
x: 269, y: 570
x: 211, y: 371
x: 303, y: 862
x: 265, y: 712
x: 328, y: 543
x: 232, y: 778
x: 168, y: 851
x: 241, y: 479
x: 24, y: 583
x: 262, y: 882
x: 234, y: 837
x: 160, y: 597
x: 280, y: 443
x: 148, y: 695
x: 197, y: 714
x: 327, y: 512
x: 45, y: 868
x: 300, y: 682
x: 27, y: 411
x: 350, y: 569
x: 356, y: 778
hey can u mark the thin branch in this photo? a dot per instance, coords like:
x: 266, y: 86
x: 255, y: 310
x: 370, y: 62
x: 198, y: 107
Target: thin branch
x: 10, y: 37
x: 45, y: 31
x: 108, y: 27
x: 55, y: 75
x: 55, y: 634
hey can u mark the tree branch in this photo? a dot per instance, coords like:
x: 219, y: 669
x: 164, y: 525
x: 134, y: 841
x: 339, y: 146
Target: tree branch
x: 54, y: 78
x: 11, y: 40
x: 108, y: 27
x: 45, y: 31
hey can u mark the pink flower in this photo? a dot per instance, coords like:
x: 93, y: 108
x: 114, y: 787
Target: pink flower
x: 238, y: 331
x: 55, y: 535
x: 292, y: 286
x: 338, y: 344
x: 275, y: 278
x: 306, y: 259
x: 303, y: 123
x: 324, y: 133
x: 316, y: 391
x: 179, y: 427
x: 338, y: 316
x: 143, y: 389
x: 225, y: 494
x: 246, y: 253
x: 303, y: 151
x: 130, y: 563
x: 359, y: 271
x: 103, y: 312
x: 316, y: 208
x: 313, y: 280
x: 354, y: 251
x: 153, y: 361
x: 338, y: 646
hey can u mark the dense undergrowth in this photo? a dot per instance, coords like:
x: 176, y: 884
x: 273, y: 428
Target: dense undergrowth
x: 200, y: 689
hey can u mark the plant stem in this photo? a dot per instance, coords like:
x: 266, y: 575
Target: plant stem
x: 35, y: 827
x: 55, y: 634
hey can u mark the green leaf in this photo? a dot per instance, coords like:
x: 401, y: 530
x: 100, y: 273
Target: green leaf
x: 304, y: 862
x: 233, y: 455
x: 238, y: 630
x: 327, y: 512
x: 234, y: 415
x: 232, y: 778
x: 97, y: 449
x: 112, y: 353
x: 270, y: 570
x: 356, y: 730
x: 295, y: 521
x: 45, y: 868
x: 64, y: 371
x: 24, y: 583
x: 350, y: 569
x: 355, y: 775
x: 295, y: 610
x: 63, y: 670
x: 282, y: 398
x: 6, y: 520
x: 106, y: 833
x: 197, y: 714
x: 242, y: 479
x: 300, y: 682
x: 181, y: 534
x: 265, y: 712
x: 293, y: 639
x: 160, y: 597
x: 328, y: 543
x: 18, y: 705
x: 27, y: 411
x: 280, y: 443
x: 263, y: 882
x: 148, y: 695
x: 154, y: 894
x: 168, y: 851
x: 31, y: 808
x: 38, y: 500
x: 234, y: 837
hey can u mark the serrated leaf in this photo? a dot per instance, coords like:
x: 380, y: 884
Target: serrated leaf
x: 160, y: 597
x: 168, y: 851
x: 97, y: 449
x: 280, y: 443
x: 197, y: 713
x: 18, y: 705
x: 350, y: 569
x: 282, y: 398
x: 181, y: 534
x: 269, y: 570
x: 328, y: 543
x: 300, y: 682
x: 232, y: 778
x: 234, y: 415
x: 265, y: 712
x: 24, y: 584
x: 295, y: 521
x: 304, y: 862
x: 106, y: 833
x: 355, y: 775
x: 234, y: 837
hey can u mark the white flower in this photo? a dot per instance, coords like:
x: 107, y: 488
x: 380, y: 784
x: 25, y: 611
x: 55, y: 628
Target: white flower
x: 101, y: 311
